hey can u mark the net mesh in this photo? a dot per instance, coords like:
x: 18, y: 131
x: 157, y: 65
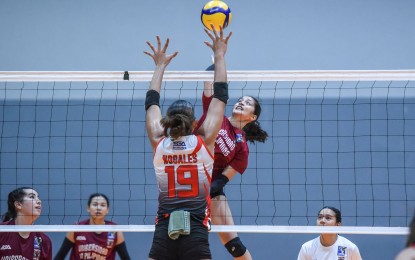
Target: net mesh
x: 344, y: 143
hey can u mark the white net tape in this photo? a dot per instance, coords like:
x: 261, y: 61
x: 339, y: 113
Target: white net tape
x: 218, y: 228
x: 313, y: 75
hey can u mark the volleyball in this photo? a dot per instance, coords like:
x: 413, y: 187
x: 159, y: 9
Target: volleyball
x: 216, y: 13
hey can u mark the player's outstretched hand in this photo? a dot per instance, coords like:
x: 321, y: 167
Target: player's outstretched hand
x: 159, y: 55
x: 219, y: 42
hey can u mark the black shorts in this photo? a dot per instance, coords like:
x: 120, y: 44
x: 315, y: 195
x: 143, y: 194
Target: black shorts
x: 193, y: 246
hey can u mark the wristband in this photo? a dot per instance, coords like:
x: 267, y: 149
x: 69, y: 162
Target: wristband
x: 122, y: 251
x: 220, y: 91
x: 152, y: 98
x: 218, y: 183
x: 66, y: 246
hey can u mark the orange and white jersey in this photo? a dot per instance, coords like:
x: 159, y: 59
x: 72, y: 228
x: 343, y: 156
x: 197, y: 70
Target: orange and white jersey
x: 184, y: 170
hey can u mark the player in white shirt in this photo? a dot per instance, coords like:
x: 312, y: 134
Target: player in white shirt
x: 183, y: 160
x: 329, y: 246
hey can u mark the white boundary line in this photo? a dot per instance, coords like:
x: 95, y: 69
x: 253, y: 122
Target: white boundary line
x: 359, y: 230
x: 256, y: 75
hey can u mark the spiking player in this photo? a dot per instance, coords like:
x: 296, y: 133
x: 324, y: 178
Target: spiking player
x: 231, y: 157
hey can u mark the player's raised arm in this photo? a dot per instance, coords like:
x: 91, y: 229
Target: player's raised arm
x: 152, y: 106
x: 215, y: 114
x: 208, y: 85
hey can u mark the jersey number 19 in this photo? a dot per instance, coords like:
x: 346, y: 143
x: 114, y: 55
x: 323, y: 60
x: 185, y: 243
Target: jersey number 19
x: 186, y: 175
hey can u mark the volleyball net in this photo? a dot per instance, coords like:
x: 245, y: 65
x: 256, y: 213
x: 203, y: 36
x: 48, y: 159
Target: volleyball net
x: 336, y: 138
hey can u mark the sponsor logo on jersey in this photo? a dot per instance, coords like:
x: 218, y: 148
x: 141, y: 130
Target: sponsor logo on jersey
x: 5, y: 247
x: 179, y: 145
x: 80, y: 238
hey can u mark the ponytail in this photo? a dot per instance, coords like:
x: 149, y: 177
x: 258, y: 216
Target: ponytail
x: 179, y: 119
x: 254, y: 132
x: 177, y: 125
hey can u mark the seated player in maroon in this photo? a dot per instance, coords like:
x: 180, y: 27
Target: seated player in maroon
x: 94, y: 245
x: 24, y: 207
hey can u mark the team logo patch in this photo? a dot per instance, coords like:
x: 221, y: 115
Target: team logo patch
x: 239, y: 138
x: 37, y: 243
x: 110, y: 239
x: 341, y: 251
x: 37, y: 247
x: 179, y: 145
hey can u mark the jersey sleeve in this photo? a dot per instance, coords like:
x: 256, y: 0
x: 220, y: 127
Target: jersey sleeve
x: 356, y: 253
x: 205, y: 102
x: 302, y: 255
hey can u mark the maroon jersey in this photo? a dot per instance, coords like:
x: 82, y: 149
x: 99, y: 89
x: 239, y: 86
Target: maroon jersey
x: 90, y: 245
x: 36, y: 247
x: 230, y: 147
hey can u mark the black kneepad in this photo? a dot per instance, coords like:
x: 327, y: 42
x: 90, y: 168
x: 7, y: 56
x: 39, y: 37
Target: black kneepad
x: 235, y: 247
